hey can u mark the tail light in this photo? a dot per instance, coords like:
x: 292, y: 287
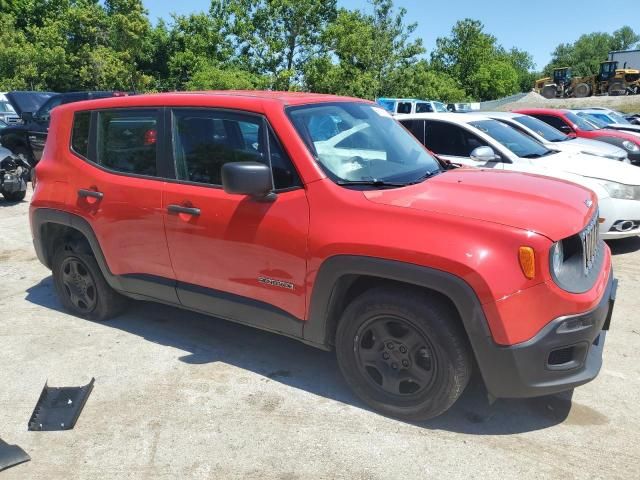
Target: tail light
x: 150, y: 137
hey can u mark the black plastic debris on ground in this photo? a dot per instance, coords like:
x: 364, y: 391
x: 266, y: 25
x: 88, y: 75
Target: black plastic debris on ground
x: 11, y: 455
x: 59, y: 408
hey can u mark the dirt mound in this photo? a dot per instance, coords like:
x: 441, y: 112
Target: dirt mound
x: 533, y: 100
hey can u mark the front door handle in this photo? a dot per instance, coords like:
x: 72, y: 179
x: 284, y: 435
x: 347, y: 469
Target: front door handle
x: 181, y: 209
x: 83, y: 193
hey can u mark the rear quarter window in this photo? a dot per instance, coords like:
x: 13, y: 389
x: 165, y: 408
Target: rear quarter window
x: 80, y: 133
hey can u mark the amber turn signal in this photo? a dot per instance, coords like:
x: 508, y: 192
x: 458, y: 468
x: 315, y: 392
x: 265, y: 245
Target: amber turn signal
x: 527, y: 258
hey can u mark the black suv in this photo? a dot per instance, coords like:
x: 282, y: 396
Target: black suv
x: 34, y: 108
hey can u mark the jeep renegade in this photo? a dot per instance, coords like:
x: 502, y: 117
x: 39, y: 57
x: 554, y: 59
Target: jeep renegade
x: 321, y: 218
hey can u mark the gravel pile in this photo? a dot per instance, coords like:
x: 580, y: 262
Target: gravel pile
x: 533, y: 99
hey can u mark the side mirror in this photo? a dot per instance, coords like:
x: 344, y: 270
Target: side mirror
x: 248, y: 178
x: 566, y: 129
x: 484, y: 154
x: 27, y: 117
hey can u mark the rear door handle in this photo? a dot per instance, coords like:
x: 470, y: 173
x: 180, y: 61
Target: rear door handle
x: 180, y: 209
x: 82, y: 193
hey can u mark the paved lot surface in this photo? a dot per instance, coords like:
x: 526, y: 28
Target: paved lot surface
x: 179, y: 395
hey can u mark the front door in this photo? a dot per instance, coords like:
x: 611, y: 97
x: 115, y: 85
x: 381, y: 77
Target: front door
x: 454, y: 143
x: 240, y: 258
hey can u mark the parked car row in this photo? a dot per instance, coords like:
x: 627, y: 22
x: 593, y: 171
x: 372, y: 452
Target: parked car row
x: 482, y: 140
x: 323, y: 219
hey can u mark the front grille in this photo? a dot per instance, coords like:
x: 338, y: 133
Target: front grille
x: 590, y: 238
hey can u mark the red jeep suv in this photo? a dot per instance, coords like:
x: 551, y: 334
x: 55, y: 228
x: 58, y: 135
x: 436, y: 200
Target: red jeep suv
x: 321, y: 218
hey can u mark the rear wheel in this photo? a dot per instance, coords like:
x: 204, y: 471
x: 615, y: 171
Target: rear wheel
x: 582, y: 90
x: 549, y: 92
x: 403, y: 353
x: 81, y: 287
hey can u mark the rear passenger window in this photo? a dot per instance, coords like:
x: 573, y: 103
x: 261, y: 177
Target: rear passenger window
x: 80, y: 133
x: 204, y: 140
x: 127, y: 141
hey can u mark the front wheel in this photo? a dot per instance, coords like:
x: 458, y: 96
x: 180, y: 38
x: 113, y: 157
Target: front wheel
x: 403, y: 352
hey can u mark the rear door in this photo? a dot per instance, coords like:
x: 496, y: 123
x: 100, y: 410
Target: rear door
x: 116, y: 185
x: 235, y: 256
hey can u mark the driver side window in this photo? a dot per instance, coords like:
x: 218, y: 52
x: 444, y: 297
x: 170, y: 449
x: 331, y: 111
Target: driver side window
x: 449, y: 139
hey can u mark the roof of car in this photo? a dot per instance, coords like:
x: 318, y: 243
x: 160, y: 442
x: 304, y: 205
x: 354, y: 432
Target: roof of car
x: 448, y: 117
x: 225, y: 96
x: 503, y: 114
x: 545, y: 111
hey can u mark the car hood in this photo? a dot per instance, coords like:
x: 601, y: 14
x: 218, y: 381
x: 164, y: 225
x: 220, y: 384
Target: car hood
x: 549, y: 207
x: 593, y: 147
x: 27, y: 101
x: 613, y: 133
x: 590, y: 166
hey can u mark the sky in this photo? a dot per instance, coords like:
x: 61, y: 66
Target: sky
x: 515, y: 23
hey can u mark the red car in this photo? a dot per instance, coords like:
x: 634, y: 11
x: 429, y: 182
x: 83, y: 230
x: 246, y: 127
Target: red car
x: 321, y: 218
x: 573, y: 125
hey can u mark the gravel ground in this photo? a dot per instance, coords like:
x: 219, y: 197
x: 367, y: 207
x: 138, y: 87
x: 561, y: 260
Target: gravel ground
x: 179, y: 395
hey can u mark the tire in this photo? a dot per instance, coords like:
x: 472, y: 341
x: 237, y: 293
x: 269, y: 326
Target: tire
x: 14, y: 196
x: 582, y: 90
x: 418, y: 350
x: 549, y: 92
x: 617, y: 88
x: 81, y: 287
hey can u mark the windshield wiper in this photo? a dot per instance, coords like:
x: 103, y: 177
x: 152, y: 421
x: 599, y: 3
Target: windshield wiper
x: 425, y: 176
x: 532, y: 155
x: 374, y: 183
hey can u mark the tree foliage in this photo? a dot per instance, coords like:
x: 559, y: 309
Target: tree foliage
x: 480, y: 64
x: 311, y: 45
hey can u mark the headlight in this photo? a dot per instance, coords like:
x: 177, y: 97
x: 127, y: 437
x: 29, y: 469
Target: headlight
x: 620, y: 190
x: 557, y: 258
x: 632, y: 147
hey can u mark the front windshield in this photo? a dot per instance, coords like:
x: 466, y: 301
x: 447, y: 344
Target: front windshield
x: 543, y: 129
x: 619, y: 118
x: 358, y: 142
x: 440, y: 107
x: 520, y: 144
x: 581, y: 123
x: 5, y: 107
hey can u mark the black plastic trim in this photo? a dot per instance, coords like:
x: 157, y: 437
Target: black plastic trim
x: 509, y: 372
x: 332, y: 270
x: 235, y: 308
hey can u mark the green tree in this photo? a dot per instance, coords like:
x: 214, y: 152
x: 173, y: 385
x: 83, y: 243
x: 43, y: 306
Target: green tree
x: 422, y: 81
x: 277, y: 37
x: 364, y: 52
x: 476, y: 59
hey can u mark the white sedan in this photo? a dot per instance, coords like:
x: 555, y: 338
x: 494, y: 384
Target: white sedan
x: 480, y: 141
x: 555, y: 139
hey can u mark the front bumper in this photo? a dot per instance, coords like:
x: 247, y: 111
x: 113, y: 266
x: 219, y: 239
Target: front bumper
x: 614, y: 211
x: 566, y: 353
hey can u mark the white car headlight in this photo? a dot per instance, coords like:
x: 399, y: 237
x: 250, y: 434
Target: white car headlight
x: 620, y: 190
x: 557, y: 258
x: 632, y: 147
